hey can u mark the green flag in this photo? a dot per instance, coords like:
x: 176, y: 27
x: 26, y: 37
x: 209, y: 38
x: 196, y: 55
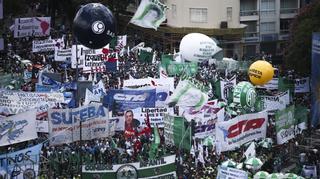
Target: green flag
x: 113, y: 144
x: 145, y: 56
x: 154, y: 146
x: 285, y: 84
x: 113, y: 42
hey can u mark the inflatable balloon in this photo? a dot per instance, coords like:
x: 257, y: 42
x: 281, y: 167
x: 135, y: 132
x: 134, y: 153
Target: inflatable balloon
x: 94, y: 25
x: 244, y: 94
x: 197, y: 47
x: 260, y: 72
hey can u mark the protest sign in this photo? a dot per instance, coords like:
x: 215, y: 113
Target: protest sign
x: 21, y: 163
x: 62, y: 55
x: 309, y: 171
x: 271, y: 85
x: 153, y: 82
x: 163, y: 167
x: 155, y: 115
x: 231, y: 173
x: 47, y: 45
x: 302, y: 85
x: 18, y: 128
x: 64, y: 124
x: 32, y: 26
x: 87, y: 57
x: 277, y: 102
x: 285, y: 122
x: 241, y: 129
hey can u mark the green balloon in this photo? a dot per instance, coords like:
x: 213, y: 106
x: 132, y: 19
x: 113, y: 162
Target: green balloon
x: 244, y: 94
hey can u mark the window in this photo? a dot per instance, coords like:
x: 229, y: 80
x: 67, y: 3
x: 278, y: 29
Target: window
x: 174, y: 11
x: 229, y: 13
x: 268, y: 5
x: 268, y: 27
x: 288, y: 4
x: 198, y: 15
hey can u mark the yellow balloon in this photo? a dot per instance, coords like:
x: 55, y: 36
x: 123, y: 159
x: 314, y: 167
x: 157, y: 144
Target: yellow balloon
x: 260, y: 72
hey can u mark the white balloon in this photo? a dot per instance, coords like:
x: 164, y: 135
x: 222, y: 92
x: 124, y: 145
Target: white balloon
x: 197, y: 47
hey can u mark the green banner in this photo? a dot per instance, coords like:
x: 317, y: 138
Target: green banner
x: 285, y: 124
x: 176, y: 69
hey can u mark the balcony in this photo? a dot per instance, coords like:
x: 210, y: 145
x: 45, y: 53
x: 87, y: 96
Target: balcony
x: 288, y: 13
x: 284, y: 34
x: 251, y: 37
x: 249, y: 15
x: 269, y: 37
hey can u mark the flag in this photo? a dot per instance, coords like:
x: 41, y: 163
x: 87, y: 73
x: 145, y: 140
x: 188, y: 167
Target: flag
x: 113, y: 144
x: 154, y: 146
x: 121, y: 42
x: 285, y: 84
x: 150, y: 14
x: 251, y: 151
x: 145, y: 56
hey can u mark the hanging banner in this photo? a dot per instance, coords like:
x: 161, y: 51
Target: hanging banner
x: 231, y: 173
x: 315, y: 82
x: 155, y: 115
x: 14, y: 102
x: 47, y: 45
x: 153, y: 82
x: 241, y: 129
x: 18, y: 128
x: 163, y: 167
x: 285, y: 125
x: 21, y: 164
x: 271, y: 85
x: 302, y: 85
x: 122, y: 100
x: 150, y: 14
x: 278, y: 102
x: 88, y: 57
x: 64, y: 124
x: 32, y: 26
x: 62, y: 55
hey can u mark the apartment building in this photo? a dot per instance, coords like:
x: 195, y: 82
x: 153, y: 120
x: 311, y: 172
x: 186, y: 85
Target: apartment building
x: 243, y: 27
x: 268, y: 23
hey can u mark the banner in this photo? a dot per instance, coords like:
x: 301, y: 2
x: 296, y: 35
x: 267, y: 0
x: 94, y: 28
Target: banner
x: 177, y: 131
x: 121, y: 42
x: 32, y: 26
x: 18, y: 128
x: 206, y: 126
x: 231, y: 173
x: 21, y: 164
x: 163, y: 167
x: 302, y: 85
x: 285, y: 122
x: 14, y: 102
x: 309, y: 171
x: 278, y: 102
x: 64, y: 124
x: 121, y: 100
x: 315, y: 82
x: 150, y: 14
x: 301, y: 114
x: 155, y: 115
x: 47, y: 45
x: 118, y: 122
x: 153, y: 82
x: 224, y: 87
x: 187, y: 94
x: 62, y: 55
x: 179, y: 68
x: 85, y: 54
x: 241, y: 129
x: 271, y: 85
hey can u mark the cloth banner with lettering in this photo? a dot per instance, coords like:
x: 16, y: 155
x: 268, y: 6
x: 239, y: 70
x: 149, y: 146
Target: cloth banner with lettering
x: 224, y: 88
x: 18, y: 128
x: 32, y: 26
x: 155, y: 115
x: 62, y: 55
x: 14, y: 102
x: 187, y: 94
x: 309, y: 171
x: 177, y: 131
x: 47, y: 45
x: 302, y: 85
x: 207, y: 110
x: 285, y: 124
x: 64, y: 124
x: 94, y: 95
x: 231, y: 173
x: 21, y: 164
x: 152, y: 82
x: 277, y: 102
x: 271, y: 85
x: 150, y: 14
x: 121, y: 100
x: 240, y: 130
x: 163, y: 167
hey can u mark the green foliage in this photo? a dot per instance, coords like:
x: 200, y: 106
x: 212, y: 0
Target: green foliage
x: 298, y: 52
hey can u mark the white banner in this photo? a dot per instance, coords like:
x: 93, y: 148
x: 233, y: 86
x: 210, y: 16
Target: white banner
x: 309, y: 171
x: 18, y: 128
x: 98, y: 90
x: 136, y: 83
x: 226, y: 87
x: 231, y: 173
x: 88, y: 55
x: 32, y: 26
x: 47, y: 45
x: 119, y: 122
x: 64, y: 124
x: 302, y: 85
x: 277, y: 102
x: 285, y: 125
x: 62, y: 55
x: 155, y: 115
x: 271, y: 85
x: 241, y: 129
x: 14, y: 102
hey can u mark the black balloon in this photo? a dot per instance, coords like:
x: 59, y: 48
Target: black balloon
x: 94, y: 25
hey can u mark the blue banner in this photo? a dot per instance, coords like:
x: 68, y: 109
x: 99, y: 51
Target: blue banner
x: 122, y: 100
x: 21, y: 163
x: 315, y: 82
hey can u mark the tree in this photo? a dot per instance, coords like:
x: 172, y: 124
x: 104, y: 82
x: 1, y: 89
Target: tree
x: 298, y: 51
